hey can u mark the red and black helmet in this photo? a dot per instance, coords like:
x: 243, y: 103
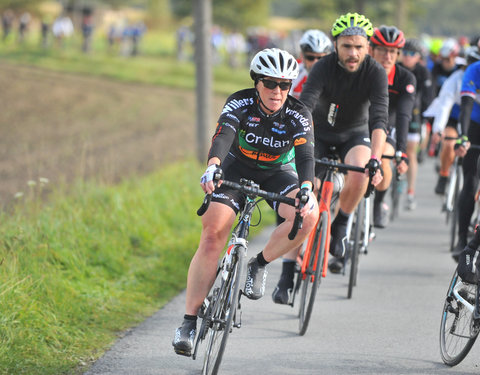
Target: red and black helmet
x: 388, y: 36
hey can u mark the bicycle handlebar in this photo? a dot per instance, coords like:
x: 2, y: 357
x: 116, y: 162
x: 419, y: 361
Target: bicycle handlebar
x: 255, y: 191
x: 333, y: 164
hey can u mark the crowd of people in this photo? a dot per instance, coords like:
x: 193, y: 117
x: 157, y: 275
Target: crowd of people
x: 370, y: 93
x: 122, y: 35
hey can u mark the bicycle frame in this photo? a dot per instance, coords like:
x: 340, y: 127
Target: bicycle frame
x: 324, y: 202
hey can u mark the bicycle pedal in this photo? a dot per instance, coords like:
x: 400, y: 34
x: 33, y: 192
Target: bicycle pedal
x: 185, y: 353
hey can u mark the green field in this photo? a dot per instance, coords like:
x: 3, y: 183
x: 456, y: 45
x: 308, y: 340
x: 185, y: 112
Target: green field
x: 83, y: 263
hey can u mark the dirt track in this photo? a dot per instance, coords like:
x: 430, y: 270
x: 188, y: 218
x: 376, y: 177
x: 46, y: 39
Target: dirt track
x: 62, y: 126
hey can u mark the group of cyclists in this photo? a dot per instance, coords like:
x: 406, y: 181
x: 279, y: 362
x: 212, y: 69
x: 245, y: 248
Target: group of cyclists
x: 349, y: 93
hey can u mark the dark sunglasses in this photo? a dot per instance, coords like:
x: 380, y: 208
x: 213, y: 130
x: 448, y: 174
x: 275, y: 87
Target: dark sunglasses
x: 409, y: 53
x: 272, y: 85
x: 312, y: 57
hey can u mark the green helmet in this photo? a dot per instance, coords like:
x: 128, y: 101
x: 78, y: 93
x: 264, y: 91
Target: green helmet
x: 352, y: 24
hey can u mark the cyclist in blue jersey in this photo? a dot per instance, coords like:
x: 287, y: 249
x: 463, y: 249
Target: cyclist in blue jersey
x: 445, y: 124
x: 385, y: 45
x: 265, y: 135
x: 470, y: 132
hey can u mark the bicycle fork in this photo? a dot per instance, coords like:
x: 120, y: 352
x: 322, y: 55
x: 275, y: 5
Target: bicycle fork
x: 237, y: 248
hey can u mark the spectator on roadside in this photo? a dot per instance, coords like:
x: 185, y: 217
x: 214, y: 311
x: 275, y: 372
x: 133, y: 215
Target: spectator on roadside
x: 87, y: 29
x: 23, y: 26
x: 62, y: 29
x: 44, y: 31
x: 7, y: 21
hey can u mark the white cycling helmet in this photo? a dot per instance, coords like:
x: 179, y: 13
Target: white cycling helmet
x: 274, y: 62
x: 449, y: 48
x: 316, y: 41
x: 472, y: 54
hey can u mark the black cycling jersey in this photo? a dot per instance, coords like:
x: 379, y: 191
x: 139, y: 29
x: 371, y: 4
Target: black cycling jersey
x: 401, y: 93
x: 342, y: 102
x: 424, y: 91
x: 264, y: 141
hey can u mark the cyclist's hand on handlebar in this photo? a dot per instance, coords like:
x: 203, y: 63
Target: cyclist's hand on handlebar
x: 373, y: 170
x: 461, y: 146
x: 305, y: 201
x: 401, y: 159
x: 208, y: 182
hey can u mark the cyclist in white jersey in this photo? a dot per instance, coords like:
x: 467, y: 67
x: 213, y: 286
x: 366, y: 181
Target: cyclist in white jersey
x: 314, y: 44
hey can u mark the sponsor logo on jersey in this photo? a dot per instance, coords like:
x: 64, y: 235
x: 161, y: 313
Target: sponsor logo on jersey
x: 410, y: 89
x: 299, y: 141
x: 236, y: 104
x: 253, y: 119
x: 262, y: 156
x: 278, y: 131
x: 302, y: 119
x: 232, y: 116
x: 271, y: 142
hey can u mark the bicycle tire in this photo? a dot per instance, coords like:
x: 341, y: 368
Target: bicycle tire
x: 395, y: 196
x: 313, y: 275
x: 454, y: 214
x: 222, y: 316
x: 457, y: 331
x: 356, y: 244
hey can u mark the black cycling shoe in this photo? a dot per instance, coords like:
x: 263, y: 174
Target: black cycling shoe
x: 283, y: 290
x: 256, y: 280
x: 184, y: 336
x: 335, y: 265
x: 441, y: 185
x: 338, y: 240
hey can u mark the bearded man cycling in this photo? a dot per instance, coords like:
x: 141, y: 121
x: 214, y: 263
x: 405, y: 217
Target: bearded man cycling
x: 345, y: 91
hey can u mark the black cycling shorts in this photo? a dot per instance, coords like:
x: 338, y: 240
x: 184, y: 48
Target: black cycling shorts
x: 281, y: 181
x: 324, y: 149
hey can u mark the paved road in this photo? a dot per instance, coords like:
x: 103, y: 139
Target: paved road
x: 391, y: 326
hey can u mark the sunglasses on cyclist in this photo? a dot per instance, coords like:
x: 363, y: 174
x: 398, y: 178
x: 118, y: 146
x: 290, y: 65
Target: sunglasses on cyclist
x: 272, y: 85
x: 312, y: 57
x: 409, y: 53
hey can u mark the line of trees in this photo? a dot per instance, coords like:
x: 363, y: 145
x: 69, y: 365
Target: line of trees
x: 437, y: 17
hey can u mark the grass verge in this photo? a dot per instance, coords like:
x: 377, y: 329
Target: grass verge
x: 76, y: 271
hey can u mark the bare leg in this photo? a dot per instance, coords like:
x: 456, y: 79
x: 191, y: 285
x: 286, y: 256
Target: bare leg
x: 217, y: 222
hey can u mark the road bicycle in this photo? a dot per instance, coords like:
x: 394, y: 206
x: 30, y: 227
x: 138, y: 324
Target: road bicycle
x: 460, y: 322
x: 312, y: 262
x: 221, y: 310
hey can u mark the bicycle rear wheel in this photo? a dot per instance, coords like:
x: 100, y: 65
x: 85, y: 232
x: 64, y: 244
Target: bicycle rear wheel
x: 355, y: 246
x: 458, y: 331
x: 223, y: 312
x: 313, y: 274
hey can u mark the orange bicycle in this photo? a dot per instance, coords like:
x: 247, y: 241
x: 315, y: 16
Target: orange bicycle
x: 312, y: 262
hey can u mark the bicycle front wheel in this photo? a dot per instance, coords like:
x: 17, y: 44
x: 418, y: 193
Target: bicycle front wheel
x: 223, y: 312
x: 458, y: 330
x: 356, y: 244
x: 313, y: 273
